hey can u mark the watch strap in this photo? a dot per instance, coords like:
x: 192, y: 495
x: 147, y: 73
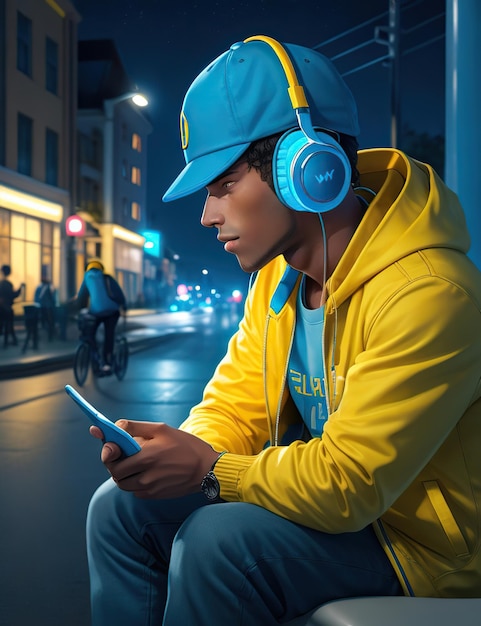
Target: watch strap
x: 210, y: 485
x: 220, y: 456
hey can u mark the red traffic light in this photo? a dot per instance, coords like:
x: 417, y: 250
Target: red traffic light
x: 75, y: 226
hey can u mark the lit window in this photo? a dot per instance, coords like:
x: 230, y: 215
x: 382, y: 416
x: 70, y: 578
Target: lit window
x: 135, y: 211
x: 135, y: 176
x: 136, y: 142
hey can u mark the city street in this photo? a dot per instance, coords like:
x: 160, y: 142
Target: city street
x: 49, y: 467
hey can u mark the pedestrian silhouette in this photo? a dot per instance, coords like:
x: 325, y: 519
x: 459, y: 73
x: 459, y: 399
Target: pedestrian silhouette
x: 45, y: 299
x: 7, y: 296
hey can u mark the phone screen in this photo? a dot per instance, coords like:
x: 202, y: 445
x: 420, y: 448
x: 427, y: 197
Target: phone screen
x: 111, y: 432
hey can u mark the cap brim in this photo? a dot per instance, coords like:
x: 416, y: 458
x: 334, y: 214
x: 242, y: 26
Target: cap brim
x: 202, y: 171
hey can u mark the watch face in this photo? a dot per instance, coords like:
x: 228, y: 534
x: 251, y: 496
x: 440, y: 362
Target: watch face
x: 210, y: 486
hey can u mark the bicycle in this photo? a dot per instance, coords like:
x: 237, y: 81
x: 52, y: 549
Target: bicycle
x: 87, y: 353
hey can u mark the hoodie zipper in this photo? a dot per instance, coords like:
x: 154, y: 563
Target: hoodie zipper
x: 276, y: 422
x: 386, y: 543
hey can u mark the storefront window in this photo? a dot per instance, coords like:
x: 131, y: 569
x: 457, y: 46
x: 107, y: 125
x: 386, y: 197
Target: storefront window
x: 56, y: 257
x: 4, y: 236
x: 47, y: 229
x: 17, y: 226
x: 4, y: 223
x: 32, y: 230
x: 17, y: 262
x: 32, y: 247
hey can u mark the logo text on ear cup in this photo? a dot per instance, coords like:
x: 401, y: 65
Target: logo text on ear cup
x: 323, y: 177
x: 319, y: 178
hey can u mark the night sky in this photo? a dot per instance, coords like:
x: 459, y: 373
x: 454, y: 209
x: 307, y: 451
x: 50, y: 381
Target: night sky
x: 164, y: 45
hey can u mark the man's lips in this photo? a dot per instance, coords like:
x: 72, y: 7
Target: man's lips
x: 229, y: 243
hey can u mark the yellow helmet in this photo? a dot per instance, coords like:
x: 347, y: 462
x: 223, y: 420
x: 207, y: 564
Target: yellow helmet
x: 94, y: 264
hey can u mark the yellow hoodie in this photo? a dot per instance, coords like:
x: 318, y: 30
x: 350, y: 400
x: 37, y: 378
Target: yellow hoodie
x: 402, y: 446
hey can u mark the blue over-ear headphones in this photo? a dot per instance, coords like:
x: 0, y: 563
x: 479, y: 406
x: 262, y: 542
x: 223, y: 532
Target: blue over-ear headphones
x: 311, y: 171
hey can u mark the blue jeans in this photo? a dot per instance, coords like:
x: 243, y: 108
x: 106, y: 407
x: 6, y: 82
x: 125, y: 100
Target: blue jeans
x: 186, y: 562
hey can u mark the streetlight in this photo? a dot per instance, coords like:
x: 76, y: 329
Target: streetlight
x: 137, y: 98
x: 140, y: 100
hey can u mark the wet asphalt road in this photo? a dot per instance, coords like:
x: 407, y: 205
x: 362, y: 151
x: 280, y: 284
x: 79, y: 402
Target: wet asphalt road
x: 49, y: 467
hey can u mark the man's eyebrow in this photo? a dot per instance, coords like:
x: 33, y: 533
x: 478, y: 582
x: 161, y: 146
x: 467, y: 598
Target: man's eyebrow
x: 233, y: 169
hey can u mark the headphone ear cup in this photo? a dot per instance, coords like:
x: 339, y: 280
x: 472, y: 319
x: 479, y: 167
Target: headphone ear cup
x: 308, y: 175
x: 289, y: 144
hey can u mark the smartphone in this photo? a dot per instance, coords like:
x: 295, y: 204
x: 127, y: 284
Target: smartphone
x: 111, y: 432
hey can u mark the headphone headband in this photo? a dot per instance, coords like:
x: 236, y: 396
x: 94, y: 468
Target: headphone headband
x: 295, y: 90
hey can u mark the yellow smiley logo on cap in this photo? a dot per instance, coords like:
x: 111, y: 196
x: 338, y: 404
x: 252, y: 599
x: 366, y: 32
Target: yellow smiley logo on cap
x: 184, y: 131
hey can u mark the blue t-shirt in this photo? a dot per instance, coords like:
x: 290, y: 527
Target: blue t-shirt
x: 306, y: 375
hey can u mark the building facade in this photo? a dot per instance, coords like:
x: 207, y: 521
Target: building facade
x: 38, y: 94
x: 112, y: 167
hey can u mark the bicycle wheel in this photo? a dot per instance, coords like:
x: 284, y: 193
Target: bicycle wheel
x: 121, y: 357
x: 95, y: 363
x: 81, y: 363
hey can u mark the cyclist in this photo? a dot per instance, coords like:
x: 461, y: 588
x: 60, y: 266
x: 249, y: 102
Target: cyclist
x: 105, y: 299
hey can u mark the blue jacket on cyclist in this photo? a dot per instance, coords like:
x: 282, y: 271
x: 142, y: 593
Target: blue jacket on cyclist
x: 104, y: 298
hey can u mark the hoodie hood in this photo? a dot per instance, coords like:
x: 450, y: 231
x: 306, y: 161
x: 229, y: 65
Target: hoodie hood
x: 413, y: 210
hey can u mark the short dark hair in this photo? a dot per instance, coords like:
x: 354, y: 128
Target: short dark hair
x: 6, y: 270
x: 259, y: 155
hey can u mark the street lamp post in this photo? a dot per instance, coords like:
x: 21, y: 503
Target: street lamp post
x: 463, y: 102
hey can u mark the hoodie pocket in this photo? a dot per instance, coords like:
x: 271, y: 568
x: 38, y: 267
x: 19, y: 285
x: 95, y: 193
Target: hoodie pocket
x: 446, y: 518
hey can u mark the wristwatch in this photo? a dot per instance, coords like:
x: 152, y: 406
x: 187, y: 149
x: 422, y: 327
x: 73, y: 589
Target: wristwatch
x: 210, y: 485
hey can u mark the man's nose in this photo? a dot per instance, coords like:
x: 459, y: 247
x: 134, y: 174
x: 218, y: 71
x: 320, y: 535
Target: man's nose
x: 211, y: 215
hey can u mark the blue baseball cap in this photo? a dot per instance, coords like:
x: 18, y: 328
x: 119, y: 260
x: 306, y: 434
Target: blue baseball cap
x: 243, y: 96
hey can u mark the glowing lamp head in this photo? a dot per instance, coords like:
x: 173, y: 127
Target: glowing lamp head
x: 140, y: 100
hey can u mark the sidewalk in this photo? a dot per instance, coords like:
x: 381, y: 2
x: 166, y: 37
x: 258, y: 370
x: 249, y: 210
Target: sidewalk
x: 58, y: 354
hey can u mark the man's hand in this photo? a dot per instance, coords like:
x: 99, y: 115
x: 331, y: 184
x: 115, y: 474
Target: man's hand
x: 172, y: 463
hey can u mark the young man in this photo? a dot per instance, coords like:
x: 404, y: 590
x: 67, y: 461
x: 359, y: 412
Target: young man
x: 105, y: 298
x: 337, y: 444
